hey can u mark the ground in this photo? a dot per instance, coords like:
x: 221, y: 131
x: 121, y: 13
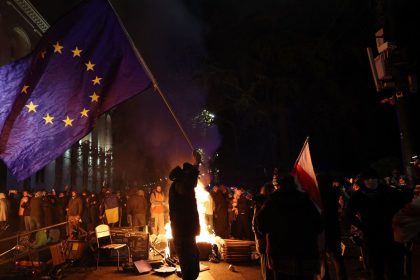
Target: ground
x: 216, y: 271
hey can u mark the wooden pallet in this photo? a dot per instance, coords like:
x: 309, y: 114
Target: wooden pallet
x: 237, y: 251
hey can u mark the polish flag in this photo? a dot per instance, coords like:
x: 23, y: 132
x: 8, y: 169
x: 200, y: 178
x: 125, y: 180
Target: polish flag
x: 305, y: 175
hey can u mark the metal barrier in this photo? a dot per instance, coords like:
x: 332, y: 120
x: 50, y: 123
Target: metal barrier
x: 18, y: 247
x: 32, y: 231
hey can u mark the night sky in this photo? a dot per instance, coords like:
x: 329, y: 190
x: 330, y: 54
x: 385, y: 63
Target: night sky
x: 273, y: 72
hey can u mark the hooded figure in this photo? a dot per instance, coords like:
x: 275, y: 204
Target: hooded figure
x: 184, y: 216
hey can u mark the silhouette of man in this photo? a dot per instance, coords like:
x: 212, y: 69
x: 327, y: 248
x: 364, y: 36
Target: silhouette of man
x: 184, y: 216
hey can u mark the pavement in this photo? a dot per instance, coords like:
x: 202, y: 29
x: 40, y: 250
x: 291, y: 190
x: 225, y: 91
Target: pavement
x: 216, y: 271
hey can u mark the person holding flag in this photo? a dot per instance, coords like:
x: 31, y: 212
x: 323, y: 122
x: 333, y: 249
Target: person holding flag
x: 291, y: 224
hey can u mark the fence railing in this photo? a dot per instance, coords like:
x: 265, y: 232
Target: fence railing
x: 17, y: 246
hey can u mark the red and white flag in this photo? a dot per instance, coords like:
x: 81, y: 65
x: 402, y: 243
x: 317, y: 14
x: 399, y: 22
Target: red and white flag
x: 305, y: 174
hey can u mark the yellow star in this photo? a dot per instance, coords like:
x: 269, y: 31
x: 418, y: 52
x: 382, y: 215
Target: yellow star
x: 43, y: 53
x: 76, y: 52
x: 68, y: 122
x: 31, y: 107
x: 57, y: 48
x: 94, y: 97
x: 89, y: 66
x: 84, y: 113
x: 96, y: 81
x: 48, y: 119
x: 25, y: 89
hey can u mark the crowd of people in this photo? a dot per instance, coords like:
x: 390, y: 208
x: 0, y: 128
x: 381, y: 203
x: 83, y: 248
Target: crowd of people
x: 283, y: 221
x: 229, y: 216
x: 302, y: 238
x: 31, y: 210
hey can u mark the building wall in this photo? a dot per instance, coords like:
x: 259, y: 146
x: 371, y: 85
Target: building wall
x: 21, y: 27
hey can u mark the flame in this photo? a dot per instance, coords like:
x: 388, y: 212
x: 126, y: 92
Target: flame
x: 204, y: 201
x: 168, y: 231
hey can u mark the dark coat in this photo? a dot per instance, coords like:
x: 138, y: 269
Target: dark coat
x: 182, y: 202
x: 221, y: 222
x: 47, y: 210
x: 109, y: 201
x: 60, y: 208
x: 292, y: 224
x: 376, y: 209
x: 136, y: 204
x: 35, y: 206
x: 75, y: 207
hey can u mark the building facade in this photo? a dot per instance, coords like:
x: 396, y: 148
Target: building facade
x: 87, y: 165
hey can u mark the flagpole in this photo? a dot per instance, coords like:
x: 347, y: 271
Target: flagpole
x: 301, y: 151
x: 152, y: 77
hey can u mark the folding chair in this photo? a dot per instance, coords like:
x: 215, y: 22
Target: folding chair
x: 103, y: 232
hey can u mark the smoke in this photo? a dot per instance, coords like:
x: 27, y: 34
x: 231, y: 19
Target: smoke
x: 147, y: 141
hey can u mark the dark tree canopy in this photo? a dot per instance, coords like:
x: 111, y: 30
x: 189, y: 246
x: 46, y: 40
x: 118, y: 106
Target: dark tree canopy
x: 279, y: 71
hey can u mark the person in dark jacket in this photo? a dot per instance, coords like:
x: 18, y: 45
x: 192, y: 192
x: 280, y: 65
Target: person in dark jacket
x: 243, y: 218
x: 376, y: 205
x: 291, y: 223
x: 330, y: 192
x: 60, y: 211
x: 137, y: 208
x: 74, y: 212
x: 93, y: 210
x: 46, y: 207
x: 220, y: 216
x: 60, y: 208
x: 184, y: 216
x: 110, y: 201
x: 260, y: 241
x: 85, y: 214
x: 36, y: 210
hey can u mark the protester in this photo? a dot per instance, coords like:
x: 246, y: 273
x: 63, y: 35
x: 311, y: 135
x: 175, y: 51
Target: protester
x: 46, y: 208
x: 4, y: 211
x: 157, y: 210
x: 291, y: 224
x: 220, y: 217
x: 85, y: 217
x: 13, y: 200
x: 60, y: 207
x: 184, y: 216
x: 136, y: 209
x: 330, y: 191
x: 260, y: 238
x: 109, y: 208
x: 74, y: 212
x: 36, y: 211
x: 376, y: 205
x: 21, y: 212
x: 243, y: 221
x: 93, y: 211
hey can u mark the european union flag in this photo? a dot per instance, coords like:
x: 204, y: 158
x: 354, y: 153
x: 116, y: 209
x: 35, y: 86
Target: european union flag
x: 83, y: 66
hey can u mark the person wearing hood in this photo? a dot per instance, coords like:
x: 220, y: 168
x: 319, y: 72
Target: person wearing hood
x: 184, y: 216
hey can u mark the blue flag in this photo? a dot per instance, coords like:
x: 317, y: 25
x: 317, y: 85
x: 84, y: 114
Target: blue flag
x: 83, y: 66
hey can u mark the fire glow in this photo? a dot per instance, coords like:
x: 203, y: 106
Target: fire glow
x: 203, y: 200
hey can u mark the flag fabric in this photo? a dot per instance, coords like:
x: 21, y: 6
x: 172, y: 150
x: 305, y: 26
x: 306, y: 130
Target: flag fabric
x: 112, y: 215
x: 83, y: 66
x: 305, y: 175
